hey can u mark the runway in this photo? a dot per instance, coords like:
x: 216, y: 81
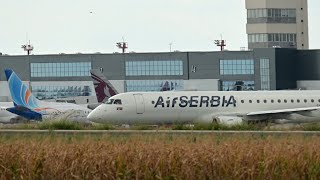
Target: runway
x: 146, y: 132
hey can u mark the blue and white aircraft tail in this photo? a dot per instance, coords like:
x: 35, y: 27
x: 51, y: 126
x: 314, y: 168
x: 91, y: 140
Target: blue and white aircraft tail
x: 28, y: 106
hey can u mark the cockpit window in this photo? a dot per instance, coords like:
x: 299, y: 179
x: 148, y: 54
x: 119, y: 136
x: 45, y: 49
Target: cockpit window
x: 110, y: 101
x: 117, y: 101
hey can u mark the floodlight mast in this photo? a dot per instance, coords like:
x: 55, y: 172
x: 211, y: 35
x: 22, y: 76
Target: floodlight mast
x: 123, y: 46
x: 28, y: 48
x: 221, y: 43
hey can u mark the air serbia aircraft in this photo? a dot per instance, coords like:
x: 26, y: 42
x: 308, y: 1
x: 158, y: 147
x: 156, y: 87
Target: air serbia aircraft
x: 27, y: 106
x: 224, y: 107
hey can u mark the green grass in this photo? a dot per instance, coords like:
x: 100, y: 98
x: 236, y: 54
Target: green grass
x: 61, y: 125
x: 101, y: 127
x: 214, y: 126
x: 311, y: 127
x: 71, y: 125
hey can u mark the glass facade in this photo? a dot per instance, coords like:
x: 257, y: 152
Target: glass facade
x: 54, y: 92
x: 60, y: 69
x: 238, y: 85
x: 154, y: 68
x: 153, y: 85
x: 265, y: 74
x: 271, y: 13
x: 273, y: 37
x: 236, y: 67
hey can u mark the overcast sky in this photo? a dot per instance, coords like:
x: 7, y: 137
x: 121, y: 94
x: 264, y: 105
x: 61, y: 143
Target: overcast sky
x: 69, y: 26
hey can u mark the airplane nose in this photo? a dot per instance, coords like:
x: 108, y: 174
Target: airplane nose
x: 95, y: 115
x: 92, y: 116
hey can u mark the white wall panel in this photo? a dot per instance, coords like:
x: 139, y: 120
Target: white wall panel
x: 202, y: 84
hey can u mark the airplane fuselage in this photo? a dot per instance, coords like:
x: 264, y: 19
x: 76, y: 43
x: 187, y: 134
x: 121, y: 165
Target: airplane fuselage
x: 207, y: 106
x: 68, y: 111
x: 6, y: 116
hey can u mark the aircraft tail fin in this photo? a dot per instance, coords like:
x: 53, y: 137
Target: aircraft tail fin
x: 165, y: 87
x: 104, y: 89
x: 20, y: 94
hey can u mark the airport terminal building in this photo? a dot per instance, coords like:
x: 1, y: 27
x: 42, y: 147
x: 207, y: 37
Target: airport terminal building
x: 67, y: 75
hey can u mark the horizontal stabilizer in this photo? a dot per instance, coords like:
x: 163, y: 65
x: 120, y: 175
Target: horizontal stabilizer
x: 283, y: 111
x: 25, y: 112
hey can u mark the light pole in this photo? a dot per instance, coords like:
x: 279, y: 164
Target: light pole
x: 123, y: 46
x: 28, y: 48
x: 221, y: 43
x: 170, y: 44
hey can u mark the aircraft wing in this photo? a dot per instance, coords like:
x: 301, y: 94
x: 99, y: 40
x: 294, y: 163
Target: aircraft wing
x: 279, y: 111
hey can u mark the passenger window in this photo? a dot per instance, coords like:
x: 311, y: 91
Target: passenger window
x: 258, y: 101
x: 110, y: 101
x: 242, y: 101
x: 279, y: 101
x: 117, y: 101
x: 285, y: 101
x: 272, y: 101
x: 305, y: 101
x: 250, y: 101
x: 298, y: 101
x: 312, y: 100
x: 292, y: 101
x: 265, y: 101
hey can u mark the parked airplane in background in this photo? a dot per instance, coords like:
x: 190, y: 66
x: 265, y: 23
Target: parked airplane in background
x: 224, y: 107
x: 6, y: 116
x: 166, y: 86
x: 27, y: 106
x: 104, y: 89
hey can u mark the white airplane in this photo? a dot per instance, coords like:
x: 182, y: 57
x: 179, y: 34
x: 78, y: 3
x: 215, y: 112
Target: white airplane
x: 27, y: 106
x: 6, y: 116
x: 224, y: 107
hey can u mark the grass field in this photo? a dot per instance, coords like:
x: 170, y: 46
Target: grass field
x: 159, y: 157
x: 68, y: 125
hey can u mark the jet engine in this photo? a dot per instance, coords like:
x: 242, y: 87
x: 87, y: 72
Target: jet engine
x: 228, y: 120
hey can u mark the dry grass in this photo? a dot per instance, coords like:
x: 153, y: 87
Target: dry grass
x: 160, y: 157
